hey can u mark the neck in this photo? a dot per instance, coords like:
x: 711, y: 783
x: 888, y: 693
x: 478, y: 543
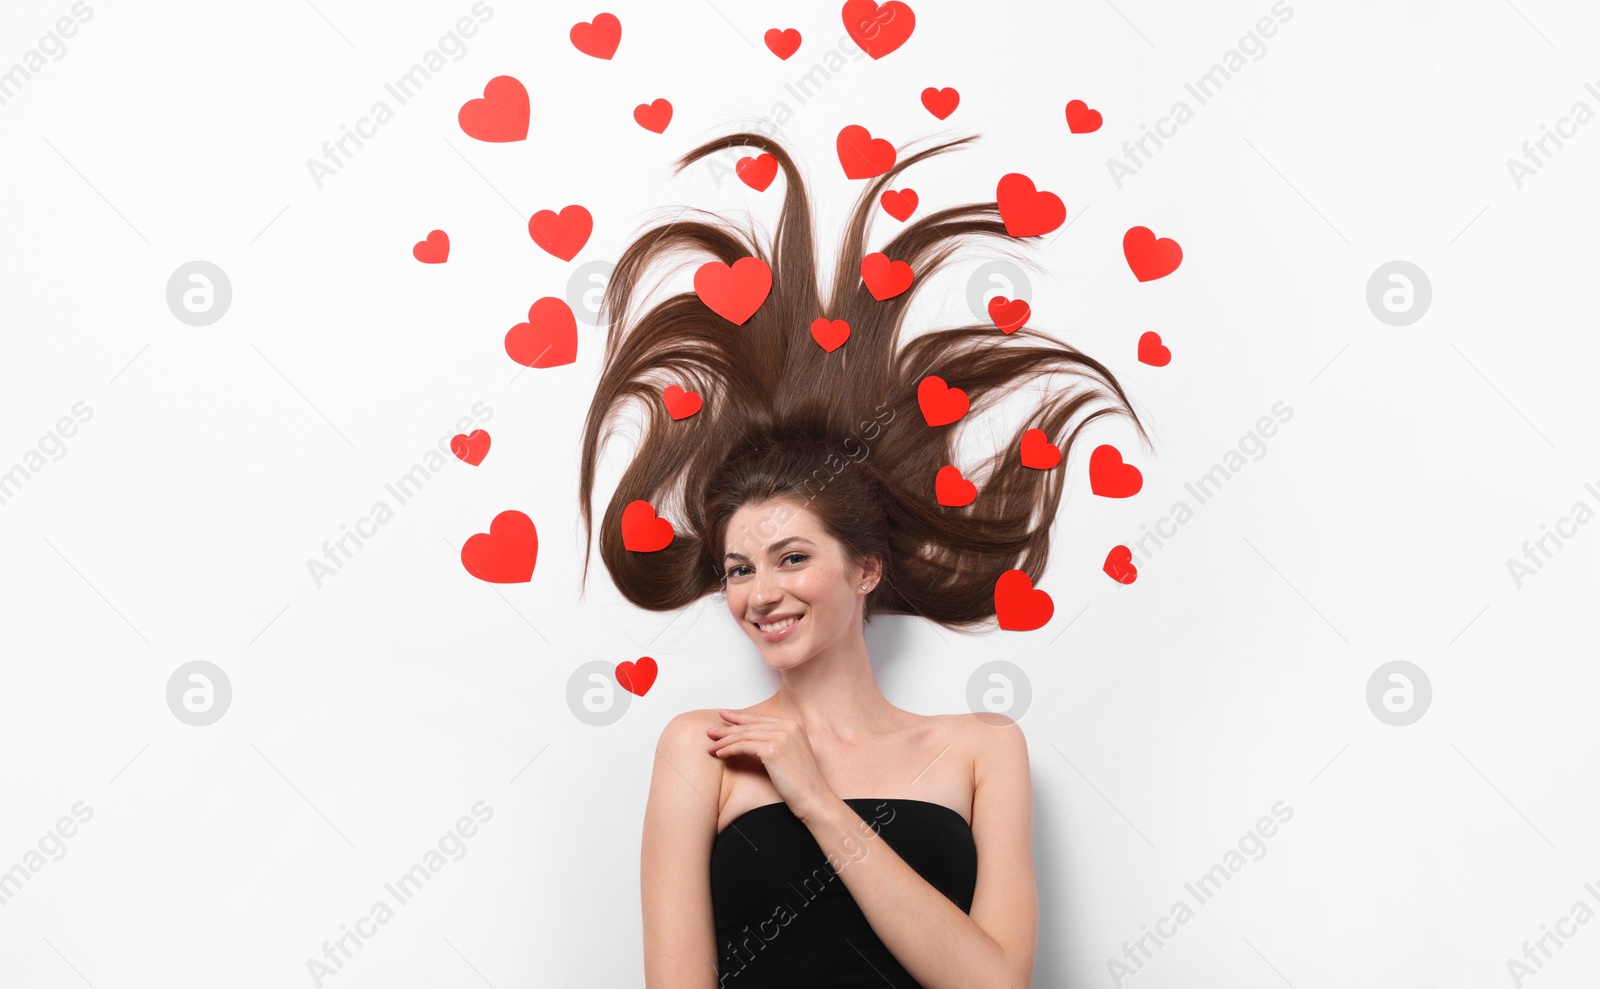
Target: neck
x: 835, y: 696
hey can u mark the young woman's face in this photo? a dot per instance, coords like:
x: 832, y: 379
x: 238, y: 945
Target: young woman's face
x: 781, y: 564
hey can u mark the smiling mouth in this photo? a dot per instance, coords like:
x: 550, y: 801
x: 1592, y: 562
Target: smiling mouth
x: 778, y: 626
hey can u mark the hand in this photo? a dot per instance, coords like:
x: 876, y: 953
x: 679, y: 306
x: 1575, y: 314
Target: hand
x: 785, y: 752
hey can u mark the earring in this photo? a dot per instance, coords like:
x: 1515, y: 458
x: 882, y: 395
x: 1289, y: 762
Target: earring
x: 863, y: 587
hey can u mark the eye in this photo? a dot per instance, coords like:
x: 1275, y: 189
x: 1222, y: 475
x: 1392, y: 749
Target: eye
x: 734, y: 572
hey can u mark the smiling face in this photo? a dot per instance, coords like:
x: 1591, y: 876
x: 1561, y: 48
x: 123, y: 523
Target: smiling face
x: 781, y: 564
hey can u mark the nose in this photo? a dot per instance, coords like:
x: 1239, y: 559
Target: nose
x: 765, y: 588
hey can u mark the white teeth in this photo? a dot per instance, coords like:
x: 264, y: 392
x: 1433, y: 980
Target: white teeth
x: 778, y: 626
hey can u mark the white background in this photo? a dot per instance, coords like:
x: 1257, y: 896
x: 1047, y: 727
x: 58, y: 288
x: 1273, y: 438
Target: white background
x: 368, y: 715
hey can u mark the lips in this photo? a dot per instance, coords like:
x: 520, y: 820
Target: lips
x: 781, y: 633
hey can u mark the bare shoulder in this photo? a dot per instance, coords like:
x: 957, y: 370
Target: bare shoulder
x: 996, y: 743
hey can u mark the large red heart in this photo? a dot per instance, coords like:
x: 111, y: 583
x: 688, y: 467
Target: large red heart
x: 598, y: 37
x: 1109, y: 476
x: 681, y: 404
x: 1027, y: 212
x: 733, y: 292
x: 757, y: 172
x: 502, y: 114
x: 878, y: 28
x: 1148, y: 257
x: 899, y: 203
x: 506, y: 553
x: 636, y: 678
x: 642, y: 531
x: 1152, y: 351
x: 548, y: 339
x: 829, y: 334
x: 952, y: 490
x: 885, y: 279
x: 1037, y: 450
x: 562, y: 234
x: 471, y: 447
x: 862, y: 155
x: 940, y: 404
x: 1009, y: 314
x: 434, y: 250
x: 1081, y: 119
x: 941, y: 102
x: 782, y: 43
x: 1019, y: 605
x: 653, y: 116
x: 1119, y: 565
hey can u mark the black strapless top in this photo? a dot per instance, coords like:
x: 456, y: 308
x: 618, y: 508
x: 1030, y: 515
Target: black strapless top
x: 784, y: 918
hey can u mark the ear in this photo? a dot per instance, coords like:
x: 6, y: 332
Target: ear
x: 872, y: 571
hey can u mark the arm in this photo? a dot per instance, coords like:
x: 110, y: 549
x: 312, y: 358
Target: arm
x: 680, y: 824
x: 942, y: 947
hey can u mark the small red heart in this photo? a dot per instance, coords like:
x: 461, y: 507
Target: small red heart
x: 1009, y: 314
x: 782, y: 43
x: 681, y: 404
x: 829, y: 334
x: 1081, y: 119
x: 653, y: 116
x: 506, y: 553
x: 941, y: 102
x: 471, y: 447
x: 636, y: 678
x: 735, y: 291
x: 1151, y: 350
x: 878, y: 29
x: 952, y: 490
x: 502, y: 114
x: 598, y: 37
x: 899, y: 204
x: 757, y: 172
x: 561, y: 234
x: 548, y: 339
x: 1027, y: 212
x: 1037, y: 450
x: 1148, y: 257
x: 1109, y: 476
x: 434, y: 250
x: 862, y: 155
x: 642, y: 531
x: 940, y: 404
x: 1119, y: 565
x: 885, y: 279
x: 1019, y: 605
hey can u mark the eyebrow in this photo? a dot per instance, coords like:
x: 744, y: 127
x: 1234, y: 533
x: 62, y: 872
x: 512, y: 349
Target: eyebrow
x: 771, y: 549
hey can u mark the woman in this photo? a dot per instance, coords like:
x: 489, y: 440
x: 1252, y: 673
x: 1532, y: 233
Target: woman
x: 824, y: 837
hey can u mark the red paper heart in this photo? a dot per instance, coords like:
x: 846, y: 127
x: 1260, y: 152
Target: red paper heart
x: 1019, y: 605
x: 878, y: 29
x: 940, y: 404
x: 1109, y: 476
x: 506, y: 553
x: 653, y: 116
x: 1148, y: 257
x: 782, y: 43
x: 952, y: 490
x: 862, y: 155
x: 434, y: 250
x: 757, y: 172
x: 681, y: 404
x: 1027, y: 212
x: 899, y: 204
x: 1119, y: 565
x: 885, y: 279
x: 642, y: 531
x: 1081, y: 119
x: 561, y: 234
x: 598, y: 37
x: 733, y: 292
x: 941, y: 102
x: 548, y: 339
x: 470, y: 447
x: 1009, y: 314
x: 1037, y: 450
x: 1151, y: 350
x: 636, y: 678
x: 502, y: 114
x: 829, y: 334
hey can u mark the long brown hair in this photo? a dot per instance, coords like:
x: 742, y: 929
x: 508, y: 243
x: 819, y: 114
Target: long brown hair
x: 779, y: 412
